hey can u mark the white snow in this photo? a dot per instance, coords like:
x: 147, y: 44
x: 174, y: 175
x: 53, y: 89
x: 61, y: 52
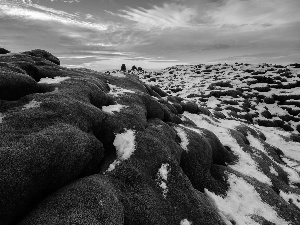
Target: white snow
x: 55, y: 80
x: 1, y: 117
x: 290, y: 162
x: 259, y: 85
x: 117, y: 91
x: 241, y: 202
x: 117, y: 74
x: 113, y: 165
x: 163, y: 171
x: 273, y: 171
x: 125, y: 146
x: 212, y: 102
x: 254, y: 142
x: 293, y: 175
x: 183, y: 136
x: 246, y: 165
x: 113, y: 108
x: 291, y: 197
x: 32, y: 104
x: 163, y: 178
x: 192, y: 128
x: 185, y: 222
x: 278, y: 138
x: 274, y: 109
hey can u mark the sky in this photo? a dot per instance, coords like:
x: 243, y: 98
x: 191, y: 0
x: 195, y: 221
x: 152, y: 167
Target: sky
x: 153, y: 34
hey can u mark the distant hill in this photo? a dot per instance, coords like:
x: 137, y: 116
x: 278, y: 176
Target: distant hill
x: 185, y: 145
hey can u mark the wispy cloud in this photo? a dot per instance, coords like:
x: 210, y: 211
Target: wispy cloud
x: 152, y: 31
x: 29, y: 11
x: 167, y: 16
x: 255, y: 14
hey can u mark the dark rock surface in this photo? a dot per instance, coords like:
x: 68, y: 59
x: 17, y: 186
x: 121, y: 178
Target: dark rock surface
x: 83, y: 147
x: 4, y: 51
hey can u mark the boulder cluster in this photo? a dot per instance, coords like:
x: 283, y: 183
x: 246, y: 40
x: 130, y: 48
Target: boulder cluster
x: 263, y: 94
x: 83, y: 147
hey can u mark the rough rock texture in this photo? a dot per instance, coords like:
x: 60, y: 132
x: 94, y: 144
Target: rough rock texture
x: 83, y: 147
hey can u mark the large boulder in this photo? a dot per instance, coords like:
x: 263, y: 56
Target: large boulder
x: 91, y: 200
x: 43, y: 54
x: 15, y: 83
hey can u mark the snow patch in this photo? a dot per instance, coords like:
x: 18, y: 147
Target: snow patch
x: 184, y: 139
x: 278, y: 138
x: 212, y: 102
x: 291, y: 198
x: 246, y: 165
x: 113, y: 108
x: 32, y: 104
x: 125, y: 146
x: 290, y: 162
x: 273, y: 171
x: 117, y: 91
x: 185, y: 222
x: 55, y: 80
x: 113, y: 165
x: 254, y: 142
x: 1, y: 117
x: 293, y: 175
x: 117, y: 74
x: 162, y: 178
x: 241, y: 202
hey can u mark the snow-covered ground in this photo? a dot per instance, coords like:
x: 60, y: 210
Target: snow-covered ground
x: 265, y: 94
x: 261, y: 98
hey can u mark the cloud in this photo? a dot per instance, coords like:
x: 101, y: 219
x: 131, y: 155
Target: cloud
x: 167, y: 16
x: 34, y: 12
x: 255, y: 14
x: 67, y: 1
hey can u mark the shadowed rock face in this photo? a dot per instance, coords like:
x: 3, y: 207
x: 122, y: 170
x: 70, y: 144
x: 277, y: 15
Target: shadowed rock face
x: 82, y: 147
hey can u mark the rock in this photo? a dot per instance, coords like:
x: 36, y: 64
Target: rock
x: 4, y: 51
x: 43, y: 54
x: 269, y: 100
x: 266, y: 114
x: 123, y: 68
x: 91, y: 200
x: 189, y: 107
x: 42, y: 162
x: 295, y: 65
x: 159, y: 91
x: 199, y: 157
x: 178, y: 108
x: 14, y: 85
x: 218, y: 114
x: 203, y: 110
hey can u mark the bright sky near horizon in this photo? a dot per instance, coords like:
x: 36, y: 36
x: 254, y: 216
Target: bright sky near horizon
x: 103, y: 34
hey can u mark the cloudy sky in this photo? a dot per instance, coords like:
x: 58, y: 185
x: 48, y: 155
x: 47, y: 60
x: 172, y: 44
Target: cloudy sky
x: 103, y: 34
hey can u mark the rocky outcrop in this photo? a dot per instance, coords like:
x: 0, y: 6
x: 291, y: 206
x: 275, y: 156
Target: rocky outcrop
x: 4, y: 51
x: 83, y: 147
